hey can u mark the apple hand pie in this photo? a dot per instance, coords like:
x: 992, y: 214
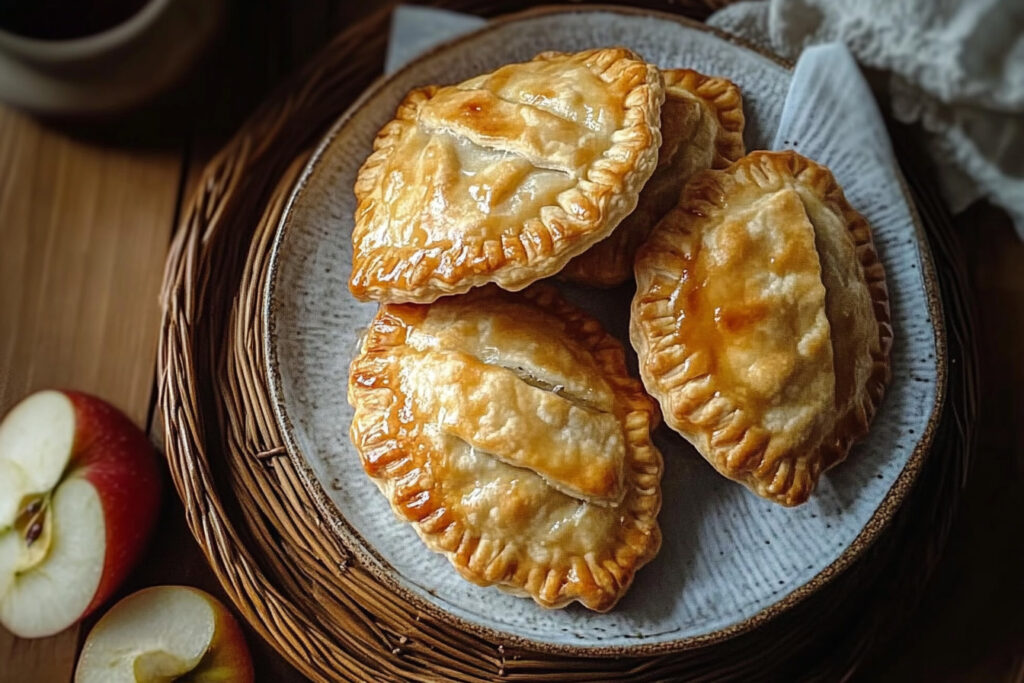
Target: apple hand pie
x: 701, y: 128
x: 505, y: 177
x: 505, y: 428
x: 761, y: 319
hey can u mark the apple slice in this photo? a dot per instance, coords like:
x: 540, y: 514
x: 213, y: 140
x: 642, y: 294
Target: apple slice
x: 79, y: 496
x: 164, y: 633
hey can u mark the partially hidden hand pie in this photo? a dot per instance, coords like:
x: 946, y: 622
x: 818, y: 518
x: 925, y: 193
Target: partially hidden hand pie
x: 761, y: 320
x: 701, y: 127
x: 504, y: 177
x: 505, y: 428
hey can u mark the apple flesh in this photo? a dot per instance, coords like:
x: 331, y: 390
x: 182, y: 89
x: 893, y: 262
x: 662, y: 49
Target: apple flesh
x: 79, y: 496
x: 164, y: 633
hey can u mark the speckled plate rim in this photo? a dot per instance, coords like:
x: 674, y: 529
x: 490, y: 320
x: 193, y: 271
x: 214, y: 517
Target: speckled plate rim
x: 383, y: 571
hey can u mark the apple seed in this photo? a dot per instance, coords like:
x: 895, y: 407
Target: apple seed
x: 33, y: 527
x: 35, y: 530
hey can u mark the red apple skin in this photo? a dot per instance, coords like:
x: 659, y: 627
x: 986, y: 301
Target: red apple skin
x: 231, y: 660
x: 226, y: 659
x: 115, y: 456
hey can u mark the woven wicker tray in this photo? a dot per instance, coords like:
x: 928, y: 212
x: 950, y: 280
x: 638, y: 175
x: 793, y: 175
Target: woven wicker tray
x: 298, y: 586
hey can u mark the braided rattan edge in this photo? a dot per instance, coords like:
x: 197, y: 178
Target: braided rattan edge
x: 263, y: 536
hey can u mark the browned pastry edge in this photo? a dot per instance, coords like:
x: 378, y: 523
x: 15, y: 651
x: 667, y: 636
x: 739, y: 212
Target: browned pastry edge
x: 610, y: 262
x: 393, y: 455
x: 723, y: 97
x: 422, y: 273
x: 739, y: 453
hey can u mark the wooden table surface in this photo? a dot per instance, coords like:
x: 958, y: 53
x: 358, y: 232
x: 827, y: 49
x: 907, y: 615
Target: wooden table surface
x: 86, y: 215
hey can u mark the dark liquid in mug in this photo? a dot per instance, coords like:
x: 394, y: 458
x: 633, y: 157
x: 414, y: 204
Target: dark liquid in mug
x: 64, y: 19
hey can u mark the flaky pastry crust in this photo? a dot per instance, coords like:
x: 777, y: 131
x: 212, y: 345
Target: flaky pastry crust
x: 701, y: 127
x: 761, y: 321
x: 506, y: 429
x: 505, y: 177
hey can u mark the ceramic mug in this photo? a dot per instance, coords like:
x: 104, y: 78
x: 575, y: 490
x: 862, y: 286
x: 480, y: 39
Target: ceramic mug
x: 111, y: 70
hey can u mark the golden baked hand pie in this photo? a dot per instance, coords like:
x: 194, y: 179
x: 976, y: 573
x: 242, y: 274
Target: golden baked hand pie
x: 761, y: 320
x: 701, y: 128
x: 505, y: 177
x: 505, y: 428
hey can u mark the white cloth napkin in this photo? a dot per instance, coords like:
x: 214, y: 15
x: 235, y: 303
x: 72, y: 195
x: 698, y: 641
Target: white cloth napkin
x: 954, y: 66
x: 414, y: 30
x: 957, y: 67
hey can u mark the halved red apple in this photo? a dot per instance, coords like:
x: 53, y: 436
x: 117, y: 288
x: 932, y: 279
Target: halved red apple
x: 79, y: 496
x: 166, y: 633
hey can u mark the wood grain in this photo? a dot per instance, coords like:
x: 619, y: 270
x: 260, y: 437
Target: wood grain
x: 43, y: 659
x: 84, y: 230
x: 969, y: 626
x: 83, y: 233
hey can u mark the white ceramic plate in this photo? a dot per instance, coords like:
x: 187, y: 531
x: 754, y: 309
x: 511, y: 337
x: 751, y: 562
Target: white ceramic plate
x: 729, y: 560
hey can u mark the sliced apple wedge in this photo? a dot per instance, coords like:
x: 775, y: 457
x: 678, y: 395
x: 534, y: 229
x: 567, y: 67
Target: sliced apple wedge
x: 79, y: 495
x: 165, y: 633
